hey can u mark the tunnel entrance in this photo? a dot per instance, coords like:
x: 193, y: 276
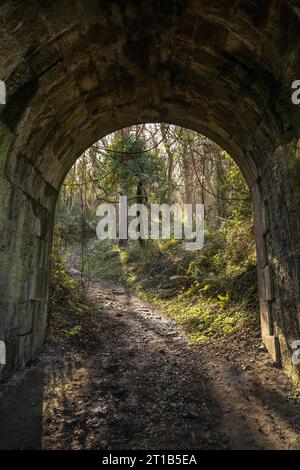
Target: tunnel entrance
x: 76, y: 71
x: 146, y: 340
x: 210, y: 288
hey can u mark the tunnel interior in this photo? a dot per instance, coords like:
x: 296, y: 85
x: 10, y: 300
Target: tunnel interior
x: 76, y: 71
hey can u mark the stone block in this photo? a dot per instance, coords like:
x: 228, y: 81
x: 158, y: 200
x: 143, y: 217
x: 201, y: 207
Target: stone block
x: 265, y: 318
x: 273, y: 347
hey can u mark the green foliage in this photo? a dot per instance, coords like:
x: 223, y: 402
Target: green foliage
x: 103, y: 259
x: 126, y: 162
x: 75, y: 330
x: 235, y: 189
x: 59, y: 278
x: 210, y: 292
x: 70, y: 222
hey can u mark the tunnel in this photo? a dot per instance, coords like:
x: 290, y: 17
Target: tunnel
x: 78, y: 70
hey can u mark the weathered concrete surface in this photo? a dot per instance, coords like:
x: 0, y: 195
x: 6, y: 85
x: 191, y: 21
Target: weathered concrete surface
x: 77, y: 70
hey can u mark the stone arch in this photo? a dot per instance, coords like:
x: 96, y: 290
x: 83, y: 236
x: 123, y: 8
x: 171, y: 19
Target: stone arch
x: 77, y: 70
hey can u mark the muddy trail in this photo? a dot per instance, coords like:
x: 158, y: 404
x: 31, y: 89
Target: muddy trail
x: 136, y: 383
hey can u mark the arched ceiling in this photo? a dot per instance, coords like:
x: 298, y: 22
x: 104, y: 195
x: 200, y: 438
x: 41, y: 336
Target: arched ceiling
x: 78, y: 69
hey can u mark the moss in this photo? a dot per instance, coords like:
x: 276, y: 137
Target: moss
x: 293, y: 371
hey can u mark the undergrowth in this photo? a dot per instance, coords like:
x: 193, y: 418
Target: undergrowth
x: 70, y: 309
x: 209, y: 292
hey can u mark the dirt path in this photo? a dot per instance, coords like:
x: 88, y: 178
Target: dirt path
x: 138, y: 384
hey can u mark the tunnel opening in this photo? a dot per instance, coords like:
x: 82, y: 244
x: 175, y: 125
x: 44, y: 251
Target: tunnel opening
x: 77, y: 71
x: 115, y: 372
x: 155, y: 165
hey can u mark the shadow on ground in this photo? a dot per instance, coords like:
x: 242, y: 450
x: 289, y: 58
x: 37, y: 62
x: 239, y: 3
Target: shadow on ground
x: 139, y: 384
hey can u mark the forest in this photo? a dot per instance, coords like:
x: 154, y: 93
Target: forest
x: 212, y: 291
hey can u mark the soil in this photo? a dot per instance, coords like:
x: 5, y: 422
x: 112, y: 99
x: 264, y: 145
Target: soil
x: 131, y: 380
